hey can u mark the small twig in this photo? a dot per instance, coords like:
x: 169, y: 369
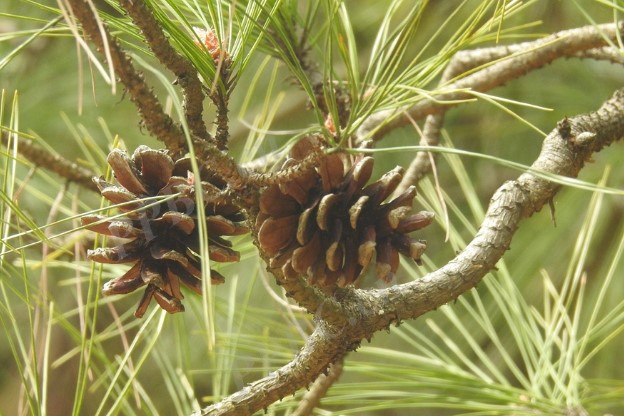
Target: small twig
x: 222, y: 133
x: 318, y: 390
x: 54, y: 162
x: 265, y: 161
x: 291, y: 172
x: 152, y: 113
x: 460, y: 63
x: 182, y: 68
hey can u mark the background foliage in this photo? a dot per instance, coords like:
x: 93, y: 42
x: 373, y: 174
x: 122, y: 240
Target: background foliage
x: 542, y: 333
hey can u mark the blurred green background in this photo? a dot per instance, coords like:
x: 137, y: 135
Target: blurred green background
x: 255, y: 333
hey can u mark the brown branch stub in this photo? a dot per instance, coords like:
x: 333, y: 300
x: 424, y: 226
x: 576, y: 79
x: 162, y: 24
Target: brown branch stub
x: 368, y: 311
x: 319, y: 389
x: 152, y: 113
x: 54, y: 162
x: 183, y: 69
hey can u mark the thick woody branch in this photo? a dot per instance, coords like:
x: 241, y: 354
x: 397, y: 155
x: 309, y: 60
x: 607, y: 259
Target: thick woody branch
x: 156, y: 120
x: 53, y: 162
x: 183, y: 69
x: 564, y: 152
x: 607, y: 53
x: 533, y: 55
x: 321, y: 348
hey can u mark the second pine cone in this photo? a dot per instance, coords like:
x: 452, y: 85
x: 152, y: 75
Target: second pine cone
x: 327, y: 224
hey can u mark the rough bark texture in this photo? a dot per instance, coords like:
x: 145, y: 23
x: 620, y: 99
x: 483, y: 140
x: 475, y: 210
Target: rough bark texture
x: 157, y: 121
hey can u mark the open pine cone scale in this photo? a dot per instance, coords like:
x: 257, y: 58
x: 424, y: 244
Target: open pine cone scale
x: 329, y: 225
x: 164, y: 236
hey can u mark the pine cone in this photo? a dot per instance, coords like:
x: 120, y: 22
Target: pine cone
x: 164, y: 244
x: 326, y: 224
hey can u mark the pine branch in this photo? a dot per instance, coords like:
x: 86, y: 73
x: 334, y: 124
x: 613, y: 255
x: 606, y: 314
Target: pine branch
x: 182, y: 68
x: 529, y: 56
x: 156, y: 120
x: 462, y: 62
x: 606, y: 53
x: 54, y: 162
x: 319, y: 350
x: 154, y: 117
x: 364, y: 312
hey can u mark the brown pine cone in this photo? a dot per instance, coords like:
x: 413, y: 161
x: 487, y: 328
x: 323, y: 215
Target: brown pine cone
x: 326, y: 224
x: 164, y: 244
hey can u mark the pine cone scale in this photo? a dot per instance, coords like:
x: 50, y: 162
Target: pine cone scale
x: 156, y: 167
x: 127, y: 283
x: 179, y: 220
x: 356, y: 210
x: 277, y: 233
x: 305, y: 256
x: 273, y: 202
x: 159, y: 252
x: 125, y: 172
x: 124, y: 253
x: 305, y: 226
x: 324, y: 210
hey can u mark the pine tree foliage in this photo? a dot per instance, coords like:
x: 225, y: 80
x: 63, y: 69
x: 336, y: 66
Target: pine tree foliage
x: 542, y: 332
